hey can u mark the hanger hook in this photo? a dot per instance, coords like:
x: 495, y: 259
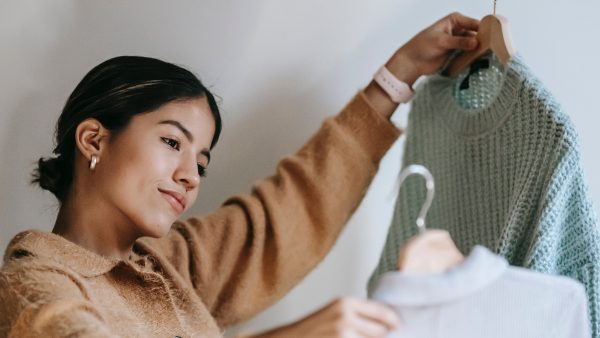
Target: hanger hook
x: 422, y: 171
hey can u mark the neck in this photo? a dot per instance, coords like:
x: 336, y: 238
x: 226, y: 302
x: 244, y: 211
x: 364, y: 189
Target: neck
x: 93, y: 225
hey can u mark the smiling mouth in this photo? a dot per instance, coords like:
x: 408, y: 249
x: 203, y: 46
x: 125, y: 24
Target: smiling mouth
x: 174, y: 202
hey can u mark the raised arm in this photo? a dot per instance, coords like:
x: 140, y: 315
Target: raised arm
x: 251, y: 251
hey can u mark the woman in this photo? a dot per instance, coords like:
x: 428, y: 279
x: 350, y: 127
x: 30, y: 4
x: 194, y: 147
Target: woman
x: 133, y: 142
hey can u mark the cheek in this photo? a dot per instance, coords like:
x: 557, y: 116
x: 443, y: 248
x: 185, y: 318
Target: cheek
x: 141, y: 165
x: 133, y: 172
x: 193, y: 195
x: 131, y: 181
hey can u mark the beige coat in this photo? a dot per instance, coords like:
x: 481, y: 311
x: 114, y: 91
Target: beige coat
x: 210, y: 271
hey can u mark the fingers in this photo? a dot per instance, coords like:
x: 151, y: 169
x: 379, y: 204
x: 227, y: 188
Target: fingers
x: 458, y: 42
x: 464, y: 32
x: 379, y: 313
x: 460, y: 21
x: 368, y: 328
x: 364, y: 318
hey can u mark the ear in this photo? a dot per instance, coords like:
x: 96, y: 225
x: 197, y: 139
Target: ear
x: 91, y: 138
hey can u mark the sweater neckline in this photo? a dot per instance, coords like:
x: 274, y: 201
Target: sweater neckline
x: 471, y: 123
x: 54, y: 247
x: 480, y: 269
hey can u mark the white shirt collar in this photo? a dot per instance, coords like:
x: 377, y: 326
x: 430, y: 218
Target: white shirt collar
x: 480, y: 269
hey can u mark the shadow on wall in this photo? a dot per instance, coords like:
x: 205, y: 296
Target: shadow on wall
x: 37, y: 68
x: 274, y: 123
x: 21, y: 202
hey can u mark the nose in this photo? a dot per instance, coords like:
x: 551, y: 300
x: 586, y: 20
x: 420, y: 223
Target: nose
x: 187, y: 175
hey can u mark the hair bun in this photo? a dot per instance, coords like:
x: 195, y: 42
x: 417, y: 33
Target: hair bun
x: 52, y: 174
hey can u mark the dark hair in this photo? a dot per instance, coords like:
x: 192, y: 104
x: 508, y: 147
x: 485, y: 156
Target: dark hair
x: 113, y: 92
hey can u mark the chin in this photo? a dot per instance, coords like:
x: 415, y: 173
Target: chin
x: 156, y: 232
x: 156, y: 229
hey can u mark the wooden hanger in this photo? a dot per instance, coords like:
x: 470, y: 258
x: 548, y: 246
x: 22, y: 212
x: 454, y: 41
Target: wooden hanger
x: 493, y: 35
x: 430, y: 251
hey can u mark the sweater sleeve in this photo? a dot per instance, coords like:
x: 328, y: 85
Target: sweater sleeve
x: 566, y: 240
x: 252, y: 250
x: 40, y: 301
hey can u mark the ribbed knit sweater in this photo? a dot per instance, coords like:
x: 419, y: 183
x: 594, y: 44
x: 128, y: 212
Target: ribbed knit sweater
x: 508, y: 176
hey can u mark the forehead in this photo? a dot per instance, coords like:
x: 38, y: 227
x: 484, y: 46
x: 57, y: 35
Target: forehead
x: 194, y: 115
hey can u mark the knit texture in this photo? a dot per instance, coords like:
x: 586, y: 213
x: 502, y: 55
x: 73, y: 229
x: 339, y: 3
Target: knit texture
x: 210, y: 271
x: 508, y: 176
x: 478, y: 87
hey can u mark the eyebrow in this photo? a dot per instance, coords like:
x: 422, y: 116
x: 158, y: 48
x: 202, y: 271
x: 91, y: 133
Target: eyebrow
x: 187, y: 134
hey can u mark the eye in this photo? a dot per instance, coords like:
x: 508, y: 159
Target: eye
x: 171, y: 142
x: 201, y: 170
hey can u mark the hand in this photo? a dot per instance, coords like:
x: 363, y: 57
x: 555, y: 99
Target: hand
x: 428, y: 51
x: 345, y: 317
x: 425, y: 54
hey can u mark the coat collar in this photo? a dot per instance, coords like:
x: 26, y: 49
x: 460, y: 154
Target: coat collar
x: 52, y: 247
x: 479, y: 270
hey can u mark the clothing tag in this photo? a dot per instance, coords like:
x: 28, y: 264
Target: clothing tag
x: 474, y: 68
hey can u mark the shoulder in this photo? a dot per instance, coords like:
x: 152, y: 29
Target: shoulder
x: 34, y: 278
x: 32, y: 273
x: 28, y: 284
x: 549, y: 115
x: 560, y: 288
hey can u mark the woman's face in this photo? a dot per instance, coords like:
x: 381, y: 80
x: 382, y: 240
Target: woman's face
x: 150, y: 172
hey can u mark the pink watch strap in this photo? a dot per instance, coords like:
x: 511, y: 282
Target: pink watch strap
x: 398, y: 91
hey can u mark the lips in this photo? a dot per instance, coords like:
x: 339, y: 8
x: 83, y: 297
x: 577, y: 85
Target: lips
x: 175, y: 199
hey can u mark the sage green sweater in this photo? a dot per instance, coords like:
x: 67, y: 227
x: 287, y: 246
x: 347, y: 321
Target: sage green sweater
x: 508, y: 176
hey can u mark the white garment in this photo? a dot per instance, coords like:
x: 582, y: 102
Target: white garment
x: 484, y: 297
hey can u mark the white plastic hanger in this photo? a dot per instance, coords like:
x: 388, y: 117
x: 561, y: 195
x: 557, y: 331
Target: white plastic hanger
x: 430, y: 251
x: 493, y: 35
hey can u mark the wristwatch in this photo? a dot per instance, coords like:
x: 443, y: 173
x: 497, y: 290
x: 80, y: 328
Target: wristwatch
x: 398, y: 91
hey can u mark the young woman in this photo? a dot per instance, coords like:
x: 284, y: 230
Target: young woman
x: 132, y: 145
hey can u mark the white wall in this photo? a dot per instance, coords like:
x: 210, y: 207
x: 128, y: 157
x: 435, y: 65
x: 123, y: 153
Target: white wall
x: 280, y: 67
